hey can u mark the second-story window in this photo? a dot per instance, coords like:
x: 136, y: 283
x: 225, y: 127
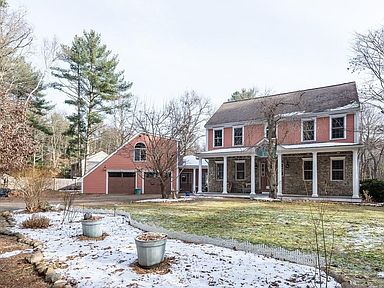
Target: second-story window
x: 218, y: 138
x: 237, y: 136
x: 273, y: 131
x: 338, y: 127
x: 308, y: 130
x: 140, y: 152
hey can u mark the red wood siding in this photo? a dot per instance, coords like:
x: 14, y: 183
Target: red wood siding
x: 288, y: 132
x: 122, y: 160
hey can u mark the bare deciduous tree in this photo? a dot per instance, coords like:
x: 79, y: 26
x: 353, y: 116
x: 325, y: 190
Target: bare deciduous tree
x: 16, y: 140
x: 369, y: 58
x: 372, y: 136
x: 189, y: 112
x: 272, y: 110
x: 161, y: 152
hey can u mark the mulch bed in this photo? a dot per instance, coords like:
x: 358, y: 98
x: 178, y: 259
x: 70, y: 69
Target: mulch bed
x: 15, y: 272
x: 161, y: 269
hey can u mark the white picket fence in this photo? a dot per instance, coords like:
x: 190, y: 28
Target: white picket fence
x: 280, y: 253
x: 295, y: 256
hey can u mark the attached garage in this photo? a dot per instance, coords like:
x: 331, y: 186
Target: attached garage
x: 121, y: 182
x: 152, y: 184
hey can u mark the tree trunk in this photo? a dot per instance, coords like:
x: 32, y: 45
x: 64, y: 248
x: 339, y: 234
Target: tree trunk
x: 162, y: 189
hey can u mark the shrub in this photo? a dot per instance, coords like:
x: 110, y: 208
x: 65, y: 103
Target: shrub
x: 33, y: 183
x: 35, y: 222
x: 374, y: 189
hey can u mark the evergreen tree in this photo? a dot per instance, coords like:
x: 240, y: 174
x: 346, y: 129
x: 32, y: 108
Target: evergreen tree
x: 244, y: 94
x: 90, y: 80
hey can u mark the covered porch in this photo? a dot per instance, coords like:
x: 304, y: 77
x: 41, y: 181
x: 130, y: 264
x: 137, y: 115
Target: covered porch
x: 321, y: 171
x: 318, y: 170
x: 235, y: 170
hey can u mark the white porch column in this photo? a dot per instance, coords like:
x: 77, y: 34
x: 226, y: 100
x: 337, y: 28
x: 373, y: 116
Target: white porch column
x: 200, y: 184
x: 253, y: 184
x: 314, y: 175
x: 225, y: 174
x: 194, y: 181
x: 279, y: 175
x: 355, y: 175
x: 177, y: 180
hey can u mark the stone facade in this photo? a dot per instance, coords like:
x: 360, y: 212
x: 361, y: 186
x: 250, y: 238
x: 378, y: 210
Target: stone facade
x: 293, y: 181
x: 215, y: 185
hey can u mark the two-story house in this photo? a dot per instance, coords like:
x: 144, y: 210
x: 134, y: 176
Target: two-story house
x: 316, y: 138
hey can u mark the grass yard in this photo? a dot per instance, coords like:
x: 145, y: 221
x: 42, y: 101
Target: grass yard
x: 359, y: 236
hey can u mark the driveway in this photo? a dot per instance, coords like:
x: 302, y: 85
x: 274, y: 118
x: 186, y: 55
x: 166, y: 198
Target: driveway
x: 11, y: 203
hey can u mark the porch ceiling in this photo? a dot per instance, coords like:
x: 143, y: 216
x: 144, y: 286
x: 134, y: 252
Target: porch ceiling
x: 317, y: 147
x: 237, y: 151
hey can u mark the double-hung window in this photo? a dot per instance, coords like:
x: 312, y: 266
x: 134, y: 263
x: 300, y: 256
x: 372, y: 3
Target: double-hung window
x: 218, y: 138
x: 237, y: 136
x: 273, y: 136
x: 240, y: 170
x: 338, y: 127
x: 308, y: 130
x: 307, y: 169
x: 219, y: 170
x: 337, y: 169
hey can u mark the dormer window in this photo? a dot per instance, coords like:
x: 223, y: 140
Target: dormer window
x: 308, y: 130
x: 238, y: 136
x: 218, y: 138
x: 337, y: 127
x: 140, y: 152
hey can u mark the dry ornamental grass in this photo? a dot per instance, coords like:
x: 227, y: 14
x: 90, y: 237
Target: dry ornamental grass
x: 36, y: 222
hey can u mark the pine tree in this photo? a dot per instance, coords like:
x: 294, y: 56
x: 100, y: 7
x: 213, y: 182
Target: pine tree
x: 90, y: 80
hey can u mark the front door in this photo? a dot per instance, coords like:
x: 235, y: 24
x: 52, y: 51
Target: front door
x: 263, y: 178
x: 186, y: 182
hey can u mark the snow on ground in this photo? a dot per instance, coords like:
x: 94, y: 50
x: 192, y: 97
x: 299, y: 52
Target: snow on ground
x: 106, y: 263
x: 364, y: 237
x: 14, y: 253
x: 181, y: 199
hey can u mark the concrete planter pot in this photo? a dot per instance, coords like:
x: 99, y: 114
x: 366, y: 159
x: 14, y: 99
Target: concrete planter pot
x: 92, y: 228
x: 150, y: 248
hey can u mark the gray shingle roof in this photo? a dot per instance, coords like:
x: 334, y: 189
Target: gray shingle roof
x: 315, y: 100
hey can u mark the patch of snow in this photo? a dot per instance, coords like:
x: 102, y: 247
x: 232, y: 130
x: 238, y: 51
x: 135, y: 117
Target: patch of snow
x: 160, y: 200
x: 291, y: 114
x: 364, y: 237
x: 106, y: 263
x: 352, y: 105
x: 380, y: 275
x: 14, y: 253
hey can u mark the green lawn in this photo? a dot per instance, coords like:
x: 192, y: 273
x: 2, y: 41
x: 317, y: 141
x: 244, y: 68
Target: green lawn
x: 359, y: 237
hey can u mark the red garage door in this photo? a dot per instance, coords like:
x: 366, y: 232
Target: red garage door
x: 152, y: 184
x: 121, y: 182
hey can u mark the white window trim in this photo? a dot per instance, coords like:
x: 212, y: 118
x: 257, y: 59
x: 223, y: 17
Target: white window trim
x: 345, y: 126
x: 307, y: 159
x: 218, y: 162
x: 222, y: 137
x: 330, y: 167
x: 314, y: 127
x: 276, y: 128
x: 134, y: 152
x: 245, y: 176
x: 233, y: 136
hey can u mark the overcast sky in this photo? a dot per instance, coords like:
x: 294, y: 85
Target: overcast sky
x: 214, y: 47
